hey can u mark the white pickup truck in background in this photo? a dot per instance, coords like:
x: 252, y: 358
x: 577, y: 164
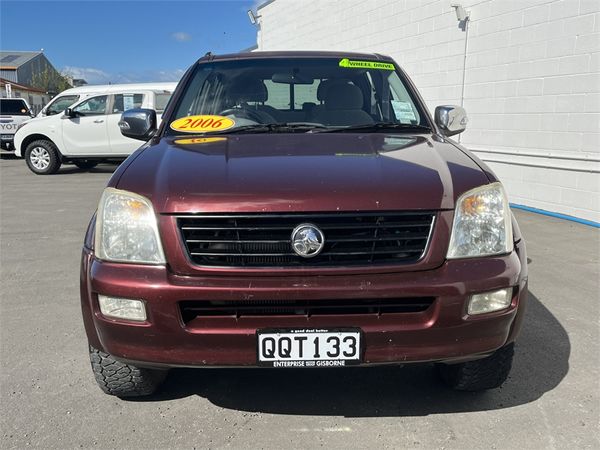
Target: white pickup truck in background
x: 13, y: 112
x: 87, y: 131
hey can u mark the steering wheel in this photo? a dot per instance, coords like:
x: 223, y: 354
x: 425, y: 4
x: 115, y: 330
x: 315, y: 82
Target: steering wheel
x: 244, y: 113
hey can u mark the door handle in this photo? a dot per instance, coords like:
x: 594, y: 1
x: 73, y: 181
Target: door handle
x: 99, y: 121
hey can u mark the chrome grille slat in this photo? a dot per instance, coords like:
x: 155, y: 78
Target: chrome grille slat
x: 264, y: 240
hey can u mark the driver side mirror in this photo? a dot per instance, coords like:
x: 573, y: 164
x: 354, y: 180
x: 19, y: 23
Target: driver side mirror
x: 450, y: 119
x: 138, y: 124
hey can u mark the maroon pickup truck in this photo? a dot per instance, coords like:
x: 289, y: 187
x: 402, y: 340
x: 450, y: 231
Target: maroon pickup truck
x: 301, y: 209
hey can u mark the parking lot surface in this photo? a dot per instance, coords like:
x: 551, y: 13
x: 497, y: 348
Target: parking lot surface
x: 49, y: 398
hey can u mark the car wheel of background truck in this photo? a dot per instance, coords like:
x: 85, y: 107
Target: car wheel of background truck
x: 42, y: 157
x: 85, y: 164
x: 124, y: 380
x: 479, y: 375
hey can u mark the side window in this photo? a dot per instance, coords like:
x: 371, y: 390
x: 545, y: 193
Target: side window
x: 278, y: 95
x: 161, y: 99
x: 305, y: 93
x: 124, y: 102
x: 61, y: 103
x: 92, y: 106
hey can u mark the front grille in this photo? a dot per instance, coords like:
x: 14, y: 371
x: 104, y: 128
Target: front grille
x: 191, y: 310
x: 264, y: 240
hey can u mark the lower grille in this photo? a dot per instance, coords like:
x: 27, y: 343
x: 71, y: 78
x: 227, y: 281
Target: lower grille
x: 191, y: 310
x: 264, y: 240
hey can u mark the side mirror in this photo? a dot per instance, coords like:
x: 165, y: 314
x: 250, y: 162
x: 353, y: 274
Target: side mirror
x: 138, y: 124
x: 450, y: 119
x: 70, y: 113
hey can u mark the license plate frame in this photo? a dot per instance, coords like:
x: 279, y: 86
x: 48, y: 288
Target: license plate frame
x: 322, y: 362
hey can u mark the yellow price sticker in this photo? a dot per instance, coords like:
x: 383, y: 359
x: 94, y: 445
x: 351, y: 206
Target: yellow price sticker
x: 202, y: 124
x: 366, y: 65
x: 199, y: 140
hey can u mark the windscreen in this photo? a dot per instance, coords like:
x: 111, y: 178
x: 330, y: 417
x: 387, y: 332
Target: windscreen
x: 325, y: 92
x: 13, y: 107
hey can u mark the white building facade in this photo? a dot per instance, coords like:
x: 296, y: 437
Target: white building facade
x: 531, y: 78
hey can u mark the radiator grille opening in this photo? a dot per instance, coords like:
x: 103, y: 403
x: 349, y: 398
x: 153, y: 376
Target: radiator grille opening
x: 264, y: 240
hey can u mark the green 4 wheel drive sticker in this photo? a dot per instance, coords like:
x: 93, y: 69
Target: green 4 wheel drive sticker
x: 366, y: 65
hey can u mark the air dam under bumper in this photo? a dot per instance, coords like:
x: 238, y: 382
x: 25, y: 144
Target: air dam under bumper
x: 443, y: 332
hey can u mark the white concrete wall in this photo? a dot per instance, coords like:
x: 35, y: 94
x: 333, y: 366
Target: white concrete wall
x: 532, y: 86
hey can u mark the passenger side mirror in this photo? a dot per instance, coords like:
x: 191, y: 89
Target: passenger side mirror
x: 70, y: 113
x: 450, y: 119
x: 138, y: 124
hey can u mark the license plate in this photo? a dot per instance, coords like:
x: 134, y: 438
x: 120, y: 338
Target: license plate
x: 309, y: 347
x: 6, y: 136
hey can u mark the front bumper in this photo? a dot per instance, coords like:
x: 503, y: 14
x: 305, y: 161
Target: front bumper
x: 441, y: 333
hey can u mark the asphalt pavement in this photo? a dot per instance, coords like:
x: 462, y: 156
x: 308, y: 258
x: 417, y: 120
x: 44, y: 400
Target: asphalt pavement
x: 49, y: 398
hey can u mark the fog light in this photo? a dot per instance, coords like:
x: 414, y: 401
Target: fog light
x: 122, y: 308
x: 490, y: 301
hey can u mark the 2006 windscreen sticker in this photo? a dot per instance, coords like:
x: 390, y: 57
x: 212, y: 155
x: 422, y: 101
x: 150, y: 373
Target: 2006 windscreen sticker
x: 202, y: 124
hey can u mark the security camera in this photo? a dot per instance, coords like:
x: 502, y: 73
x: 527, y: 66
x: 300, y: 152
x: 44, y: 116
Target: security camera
x: 252, y: 17
x: 461, y: 14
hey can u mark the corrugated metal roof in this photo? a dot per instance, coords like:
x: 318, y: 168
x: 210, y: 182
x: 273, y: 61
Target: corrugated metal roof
x: 16, y: 59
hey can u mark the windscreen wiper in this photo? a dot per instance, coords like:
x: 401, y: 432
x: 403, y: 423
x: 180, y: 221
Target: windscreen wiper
x: 254, y: 128
x: 273, y: 127
x: 270, y: 128
x: 299, y: 125
x: 379, y: 126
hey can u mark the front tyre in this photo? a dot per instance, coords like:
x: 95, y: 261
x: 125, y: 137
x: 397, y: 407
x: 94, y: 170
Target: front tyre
x: 124, y: 380
x: 479, y: 375
x: 42, y: 157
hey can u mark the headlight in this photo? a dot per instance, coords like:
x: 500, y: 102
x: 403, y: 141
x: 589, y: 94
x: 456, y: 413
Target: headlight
x: 482, y: 223
x: 126, y: 229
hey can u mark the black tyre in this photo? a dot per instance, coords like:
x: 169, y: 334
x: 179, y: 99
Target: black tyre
x: 85, y: 164
x: 124, y: 380
x: 42, y: 157
x: 479, y: 375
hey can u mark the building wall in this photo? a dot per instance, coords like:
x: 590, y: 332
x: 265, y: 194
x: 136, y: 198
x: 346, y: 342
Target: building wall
x: 532, y: 80
x: 34, y: 66
x: 9, y: 74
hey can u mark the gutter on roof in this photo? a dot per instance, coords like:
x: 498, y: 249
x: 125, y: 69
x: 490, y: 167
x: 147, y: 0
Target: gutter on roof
x: 22, y: 87
x: 268, y: 2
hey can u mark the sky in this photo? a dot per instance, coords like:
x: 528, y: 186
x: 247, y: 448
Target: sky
x: 126, y: 41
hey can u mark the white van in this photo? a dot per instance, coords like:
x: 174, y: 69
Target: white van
x: 87, y: 132
x: 71, y: 96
